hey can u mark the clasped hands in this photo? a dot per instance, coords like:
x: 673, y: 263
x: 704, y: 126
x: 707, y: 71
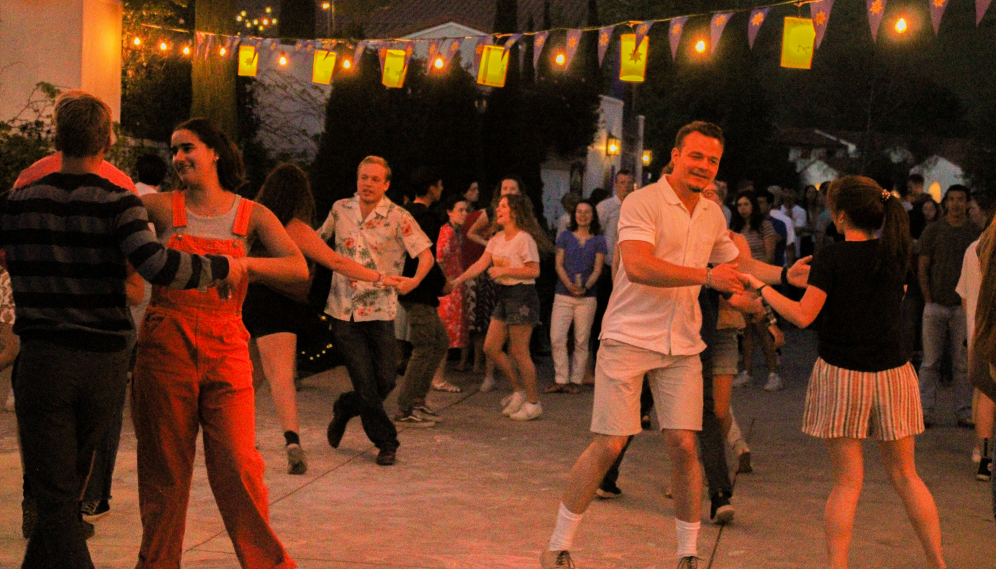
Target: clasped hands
x: 744, y: 286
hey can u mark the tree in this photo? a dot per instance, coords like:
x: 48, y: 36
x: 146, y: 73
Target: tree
x: 214, y: 89
x: 156, y: 89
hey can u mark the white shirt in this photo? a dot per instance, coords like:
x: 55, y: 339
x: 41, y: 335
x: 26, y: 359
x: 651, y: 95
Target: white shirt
x: 798, y: 215
x: 665, y: 320
x: 969, y: 284
x: 145, y: 189
x: 608, y: 218
x: 789, y: 225
x: 513, y: 253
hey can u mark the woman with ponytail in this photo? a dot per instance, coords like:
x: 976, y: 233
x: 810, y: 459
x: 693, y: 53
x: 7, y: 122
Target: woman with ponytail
x: 862, y: 383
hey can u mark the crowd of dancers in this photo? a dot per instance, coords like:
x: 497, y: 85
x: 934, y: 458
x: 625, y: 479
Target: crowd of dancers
x: 676, y: 285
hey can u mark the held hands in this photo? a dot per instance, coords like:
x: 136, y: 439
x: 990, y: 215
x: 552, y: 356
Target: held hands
x: 405, y: 285
x: 575, y: 290
x: 388, y: 281
x: 726, y: 278
x: 238, y: 271
x: 798, y: 273
x: 747, y: 302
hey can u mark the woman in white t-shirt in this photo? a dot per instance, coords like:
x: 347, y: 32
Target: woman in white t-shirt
x: 513, y: 255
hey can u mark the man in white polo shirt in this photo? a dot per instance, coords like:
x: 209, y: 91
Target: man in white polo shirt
x: 668, y: 237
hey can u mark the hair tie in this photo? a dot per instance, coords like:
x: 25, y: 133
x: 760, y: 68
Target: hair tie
x: 886, y: 195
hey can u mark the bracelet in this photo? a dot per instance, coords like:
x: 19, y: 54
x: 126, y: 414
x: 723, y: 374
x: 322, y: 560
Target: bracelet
x: 708, y: 282
x: 759, y: 289
x: 785, y: 278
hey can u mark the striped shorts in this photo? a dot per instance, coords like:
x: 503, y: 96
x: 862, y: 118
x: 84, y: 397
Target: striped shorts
x: 856, y: 404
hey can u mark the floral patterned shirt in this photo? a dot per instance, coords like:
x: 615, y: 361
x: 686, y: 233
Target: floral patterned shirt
x: 378, y: 242
x: 6, y: 298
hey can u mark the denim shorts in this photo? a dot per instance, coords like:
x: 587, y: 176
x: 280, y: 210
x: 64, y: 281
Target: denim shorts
x: 517, y: 304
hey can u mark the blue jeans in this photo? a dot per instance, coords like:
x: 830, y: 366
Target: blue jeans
x: 944, y: 326
x: 370, y: 353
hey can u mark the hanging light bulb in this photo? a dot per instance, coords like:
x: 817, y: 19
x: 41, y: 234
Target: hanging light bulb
x: 222, y: 51
x: 439, y: 63
x: 561, y: 59
x: 901, y: 26
x: 283, y: 59
x: 186, y: 50
x: 701, y: 46
x: 346, y: 64
x: 137, y: 41
x: 163, y: 46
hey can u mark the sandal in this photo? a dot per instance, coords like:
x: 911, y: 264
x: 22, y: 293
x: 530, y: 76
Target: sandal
x: 447, y: 387
x: 572, y: 388
x: 556, y: 388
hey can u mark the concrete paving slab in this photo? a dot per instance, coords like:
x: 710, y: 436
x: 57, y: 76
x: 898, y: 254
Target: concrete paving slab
x: 481, y: 491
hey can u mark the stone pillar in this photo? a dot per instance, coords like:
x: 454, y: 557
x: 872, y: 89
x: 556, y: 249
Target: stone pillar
x: 73, y: 44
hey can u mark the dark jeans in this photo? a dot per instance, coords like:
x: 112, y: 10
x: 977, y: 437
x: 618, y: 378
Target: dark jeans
x: 430, y: 343
x: 602, y: 296
x: 370, y: 353
x: 99, y: 486
x: 65, y: 401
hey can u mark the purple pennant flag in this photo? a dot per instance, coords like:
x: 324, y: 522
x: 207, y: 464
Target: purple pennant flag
x: 674, y: 33
x: 361, y: 46
x: 604, y: 35
x: 231, y: 43
x: 208, y: 45
x: 757, y: 17
x: 937, y: 8
x: 510, y: 42
x: 876, y: 9
x: 716, y: 28
x: 981, y: 6
x: 641, y: 32
x: 430, y: 59
x: 479, y: 52
x: 573, y: 41
x: 539, y: 41
x: 820, y: 12
x: 200, y: 38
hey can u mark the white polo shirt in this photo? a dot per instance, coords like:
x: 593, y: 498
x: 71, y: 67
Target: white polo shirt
x: 665, y: 320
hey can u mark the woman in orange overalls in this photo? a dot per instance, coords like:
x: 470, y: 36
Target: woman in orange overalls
x: 193, y: 364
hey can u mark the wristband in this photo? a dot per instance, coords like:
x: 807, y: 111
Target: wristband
x: 759, y: 289
x: 785, y: 278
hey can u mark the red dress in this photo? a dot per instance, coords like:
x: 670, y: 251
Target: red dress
x: 452, y: 307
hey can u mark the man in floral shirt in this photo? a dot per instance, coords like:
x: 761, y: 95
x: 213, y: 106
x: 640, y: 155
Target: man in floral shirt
x: 373, y: 231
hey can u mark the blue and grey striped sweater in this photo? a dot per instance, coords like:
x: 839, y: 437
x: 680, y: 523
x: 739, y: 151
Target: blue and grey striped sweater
x: 67, y: 238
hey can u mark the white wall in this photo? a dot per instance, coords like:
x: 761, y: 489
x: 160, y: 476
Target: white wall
x: 73, y: 44
x: 600, y: 166
x: 939, y: 170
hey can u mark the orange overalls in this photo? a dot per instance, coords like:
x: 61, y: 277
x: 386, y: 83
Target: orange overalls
x: 193, y: 369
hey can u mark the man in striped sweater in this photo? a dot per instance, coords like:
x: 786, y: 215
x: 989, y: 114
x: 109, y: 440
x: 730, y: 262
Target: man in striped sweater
x: 68, y: 238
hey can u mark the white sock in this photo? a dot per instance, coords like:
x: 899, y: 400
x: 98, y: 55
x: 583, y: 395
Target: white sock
x: 567, y: 526
x: 688, y: 538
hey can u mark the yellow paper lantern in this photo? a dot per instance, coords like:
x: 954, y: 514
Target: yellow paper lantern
x: 797, y: 43
x: 247, y: 61
x: 324, y: 65
x: 395, y: 68
x: 494, y: 66
x: 634, y: 61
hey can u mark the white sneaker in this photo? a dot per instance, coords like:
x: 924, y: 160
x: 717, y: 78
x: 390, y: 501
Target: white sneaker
x: 527, y: 412
x: 774, y: 382
x: 742, y: 380
x: 513, y: 403
x: 487, y: 385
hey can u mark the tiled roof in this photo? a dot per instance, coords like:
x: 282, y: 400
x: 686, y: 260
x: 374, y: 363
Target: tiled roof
x: 409, y: 16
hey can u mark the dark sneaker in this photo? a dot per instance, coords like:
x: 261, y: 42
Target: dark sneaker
x: 966, y: 423
x: 721, y: 512
x: 556, y: 559
x: 297, y: 462
x: 985, y: 469
x: 688, y: 563
x: 608, y: 492
x: 93, y: 511
x: 337, y: 427
x: 88, y: 529
x: 29, y: 516
x: 413, y: 419
x: 427, y: 412
x: 387, y: 456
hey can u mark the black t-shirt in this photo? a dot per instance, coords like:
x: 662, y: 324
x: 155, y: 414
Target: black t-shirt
x: 859, y: 325
x: 428, y: 291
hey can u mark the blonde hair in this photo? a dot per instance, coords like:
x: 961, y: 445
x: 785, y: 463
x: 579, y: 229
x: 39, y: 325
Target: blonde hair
x: 378, y: 161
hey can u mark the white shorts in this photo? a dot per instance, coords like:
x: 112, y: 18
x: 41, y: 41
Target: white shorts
x: 675, y: 381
